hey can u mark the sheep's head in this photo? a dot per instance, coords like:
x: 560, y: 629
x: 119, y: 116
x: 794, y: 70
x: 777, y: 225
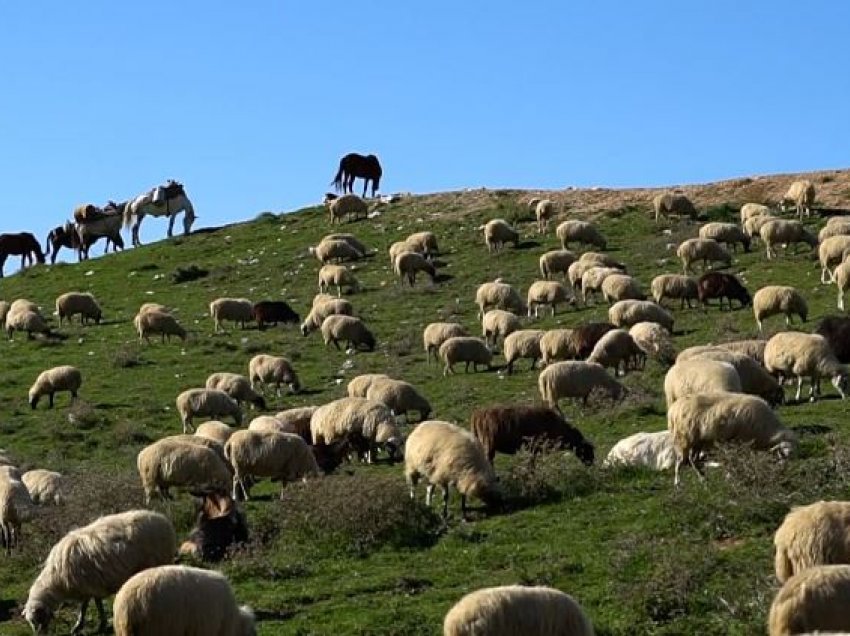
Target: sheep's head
x: 840, y: 382
x: 259, y: 402
x: 38, y: 615
x: 585, y: 452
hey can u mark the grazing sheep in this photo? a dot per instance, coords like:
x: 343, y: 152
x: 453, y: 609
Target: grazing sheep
x: 524, y: 343
x: 348, y: 329
x: 72, y: 303
x: 575, y: 379
x: 297, y: 420
x: 779, y: 299
x: 273, y: 312
x: 424, y: 243
x: 516, y: 609
x: 237, y: 310
x: 207, y: 402
x: 805, y: 355
x: 408, y: 264
x: 265, y: 369
x: 841, y: 278
x: 673, y: 203
x: 721, y: 285
x: 834, y: 229
x: 598, y: 259
x: 783, y: 231
x: 337, y: 276
x: 401, y: 397
x: 352, y: 240
x: 215, y: 431
x: 497, y: 233
x: 817, y: 534
x: 348, y: 205
x: 752, y: 226
x: 751, y: 348
x: 750, y: 210
x: 626, y: 313
x: 621, y: 287
x: 4, y: 311
x: 320, y: 311
x: 335, y: 251
x: 580, y: 232
x: 705, y: 250
x: 650, y: 450
x: 755, y: 380
x: 44, y: 486
x: 94, y: 561
x: 498, y: 295
x: 152, y: 322
x: 547, y: 292
x: 219, y: 525
x: 283, y: 457
x: 617, y: 347
x: 836, y: 330
x: 266, y: 424
x: 436, y: 333
x: 557, y: 344
x: 177, y: 599
x: 697, y: 422
x: 575, y: 273
x: 699, y: 375
x: 446, y: 455
x: 544, y: 211
x: 496, y: 323
x: 800, y: 194
x: 506, y: 428
x: 399, y: 247
x: 371, y: 421
x: 236, y: 386
x: 359, y: 385
x: 52, y: 381
x: 15, y: 508
x: 725, y: 233
x: 466, y: 349
x: 813, y: 601
x: 26, y: 320
x: 556, y: 262
x: 196, y: 464
x: 654, y: 340
x: 592, y: 279
x: 830, y: 253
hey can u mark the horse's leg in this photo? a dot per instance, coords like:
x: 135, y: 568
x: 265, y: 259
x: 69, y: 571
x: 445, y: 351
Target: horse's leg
x: 365, y: 186
x: 171, y: 225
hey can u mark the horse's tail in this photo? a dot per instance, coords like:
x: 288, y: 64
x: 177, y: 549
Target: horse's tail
x: 128, y: 214
x: 340, y: 175
x: 48, y: 242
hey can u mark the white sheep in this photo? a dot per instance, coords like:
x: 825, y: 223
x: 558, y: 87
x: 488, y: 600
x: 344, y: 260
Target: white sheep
x: 654, y: 340
x: 93, y: 562
x: 44, y: 486
x: 359, y: 385
x: 16, y: 507
x: 813, y: 602
x: 752, y: 226
x: 177, y: 599
x: 621, y: 287
x: 265, y: 369
x: 801, y: 194
x: 575, y: 379
x: 151, y: 322
x: 352, y: 240
x: 784, y: 232
x: 466, y: 349
x: 577, y: 231
x: 592, y: 279
x: 556, y: 262
x: 617, y: 347
x: 626, y: 313
x: 817, y: 534
x: 557, y: 344
x: 236, y: 386
x: 348, y: 205
x: 436, y: 333
x: 805, y: 355
x: 407, y: 264
x: 498, y: 323
x: 524, y: 343
x: 497, y: 233
x: 348, y: 329
x: 239, y: 310
x: 841, y: 278
x: 498, y: 295
x: 834, y: 229
x: 705, y: 250
x: 751, y: 348
x: 329, y: 306
x: 52, y: 381
x: 370, y: 421
x: 401, y: 397
x: 70, y: 304
x: 337, y: 276
x: 296, y: 420
x: 831, y: 253
x: 673, y: 203
x: 26, y: 320
x: 778, y: 299
x: 755, y: 380
x: 335, y: 250
x: 727, y: 233
x: 750, y: 210
x: 195, y: 463
x: 399, y: 247
x: 699, y: 375
x: 266, y: 424
x: 544, y: 210
x: 650, y: 450
x: 598, y: 259
x: 215, y: 431
x: 206, y: 402
x: 424, y: 243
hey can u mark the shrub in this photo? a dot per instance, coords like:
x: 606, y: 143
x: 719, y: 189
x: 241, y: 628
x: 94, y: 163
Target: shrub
x: 126, y: 357
x: 187, y: 274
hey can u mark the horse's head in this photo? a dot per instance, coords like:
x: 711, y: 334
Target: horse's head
x: 188, y: 217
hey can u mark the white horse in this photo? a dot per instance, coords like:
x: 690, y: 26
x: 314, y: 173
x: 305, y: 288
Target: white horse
x: 168, y: 200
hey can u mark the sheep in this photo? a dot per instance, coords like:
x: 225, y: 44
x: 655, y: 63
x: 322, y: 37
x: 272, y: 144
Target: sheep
x: 72, y: 303
x: 721, y: 285
x: 153, y: 307
x: 266, y: 424
x: 654, y: 340
x: 407, y: 264
x: 621, y: 287
x: 516, y: 609
x: 626, y: 313
x: 836, y: 330
x: 506, y: 428
x: 834, y: 229
x: 236, y: 386
x: 750, y: 210
x: 496, y: 323
x: 755, y: 380
x: 670, y: 203
x: 320, y: 311
x: 524, y: 343
x: 273, y: 312
x: 370, y: 421
x: 401, y: 397
x: 178, y: 599
x: 195, y: 463
x: 706, y: 250
x: 265, y: 369
x: 4, y: 311
x: 208, y: 402
x: 26, y: 320
x: 466, y: 349
x: 599, y: 259
x: 575, y: 379
x: 16, y: 507
x: 783, y: 231
x: 497, y: 233
x: 841, y: 278
x: 617, y: 347
x: 800, y: 194
x: 335, y: 250
x: 697, y: 376
x: 283, y: 457
x: 436, y: 333
x: 674, y: 286
x: 237, y: 310
x: 424, y: 243
x: 215, y: 431
x: 831, y: 253
x: 349, y: 329
x: 813, y: 601
x: 352, y: 240
x: 556, y: 262
x: 576, y: 271
x: 44, y: 486
x: 544, y: 210
x: 817, y: 534
x: 153, y: 322
x: 498, y: 295
x: 297, y: 420
x: 349, y: 205
x: 547, y: 292
x: 752, y: 226
x: 651, y: 450
x: 94, y: 561
x: 218, y: 526
x: 779, y: 299
x: 52, y: 381
x: 727, y: 233
x: 399, y: 247
x: 359, y: 385
x: 592, y: 279
x: 557, y: 344
x: 580, y: 232
x: 805, y: 355
x: 446, y: 455
x: 338, y: 276
x: 751, y: 348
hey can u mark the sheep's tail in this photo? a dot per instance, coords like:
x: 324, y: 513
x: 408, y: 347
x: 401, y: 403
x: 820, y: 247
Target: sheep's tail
x: 783, y: 566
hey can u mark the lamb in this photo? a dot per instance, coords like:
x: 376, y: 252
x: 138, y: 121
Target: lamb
x: 547, y: 292
x: 273, y: 312
x: 15, y: 508
x: 836, y: 330
x: 621, y: 287
x: 498, y: 323
x: 800, y: 194
x: 424, y: 243
x: 575, y: 379
x: 697, y: 422
x: 237, y: 310
x: 654, y: 340
x: 320, y: 311
x: 498, y: 295
x: 506, y: 428
x: 214, y: 430
x: 750, y: 210
x: 52, y: 381
x: 436, y: 333
x: 830, y: 253
x: 371, y: 421
x: 515, y: 609
x: 706, y: 250
x: 617, y: 347
x: 408, y: 264
x: 673, y: 203
x: 698, y: 376
x: 472, y: 351
x: 195, y: 463
x: 755, y: 380
x: 544, y: 210
x: 721, y: 285
x: 335, y: 250
x: 813, y: 601
x: 219, y: 525
x: 265, y: 369
x: 350, y: 330
x: 94, y: 561
x: 580, y: 232
x: 283, y: 457
x: 626, y: 313
x: 349, y: 205
x: 207, y: 402
x: 817, y: 534
x: 152, y: 322
x: 727, y: 233
x: 359, y: 385
x: 556, y: 262
x: 177, y: 599
x: 651, y: 450
x: 44, y: 486
x: 236, y: 386
x: 446, y: 455
x: 800, y: 354
x: 784, y: 231
x: 401, y: 397
x: 70, y: 304
x: 779, y: 299
x: 592, y: 279
x: 497, y: 233
x: 524, y: 343
x: 337, y: 276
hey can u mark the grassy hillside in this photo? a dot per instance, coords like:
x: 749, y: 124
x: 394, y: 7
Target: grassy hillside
x: 350, y: 554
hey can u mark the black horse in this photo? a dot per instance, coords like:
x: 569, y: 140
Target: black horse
x: 22, y: 244
x: 352, y: 166
x: 59, y: 237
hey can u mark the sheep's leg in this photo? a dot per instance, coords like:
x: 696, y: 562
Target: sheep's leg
x: 81, y: 619
x: 799, y: 387
x: 429, y: 494
x: 101, y: 613
x: 50, y: 399
x: 446, y: 503
x: 813, y: 388
x: 841, y: 299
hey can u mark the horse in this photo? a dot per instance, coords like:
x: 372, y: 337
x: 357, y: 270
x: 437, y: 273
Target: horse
x: 168, y: 200
x: 352, y: 166
x: 59, y: 237
x: 97, y: 224
x: 23, y: 244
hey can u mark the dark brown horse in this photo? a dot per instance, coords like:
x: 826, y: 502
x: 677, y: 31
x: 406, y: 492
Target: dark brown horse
x: 353, y: 166
x: 59, y: 237
x: 22, y: 244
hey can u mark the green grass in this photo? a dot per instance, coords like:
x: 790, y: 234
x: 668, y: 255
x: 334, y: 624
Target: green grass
x: 351, y: 555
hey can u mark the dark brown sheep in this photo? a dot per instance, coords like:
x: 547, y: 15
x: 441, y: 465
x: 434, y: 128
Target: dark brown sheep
x: 273, y: 312
x: 836, y: 330
x: 586, y: 336
x: 219, y: 526
x: 720, y: 285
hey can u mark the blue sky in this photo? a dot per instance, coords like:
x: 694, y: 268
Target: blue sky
x: 252, y: 108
